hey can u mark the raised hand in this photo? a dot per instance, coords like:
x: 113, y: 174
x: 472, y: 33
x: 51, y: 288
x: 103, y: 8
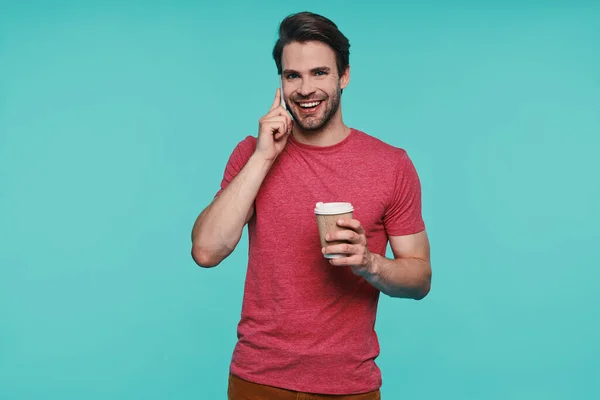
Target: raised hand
x: 273, y: 130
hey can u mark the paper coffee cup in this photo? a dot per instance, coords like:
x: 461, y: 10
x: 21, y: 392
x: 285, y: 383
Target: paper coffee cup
x: 327, y: 216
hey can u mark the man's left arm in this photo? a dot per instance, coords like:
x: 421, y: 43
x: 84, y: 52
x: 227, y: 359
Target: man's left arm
x: 408, y: 275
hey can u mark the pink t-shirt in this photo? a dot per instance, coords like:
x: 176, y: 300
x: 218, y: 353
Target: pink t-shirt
x: 307, y: 325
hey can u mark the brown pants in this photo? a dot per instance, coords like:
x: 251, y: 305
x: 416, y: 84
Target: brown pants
x: 240, y: 389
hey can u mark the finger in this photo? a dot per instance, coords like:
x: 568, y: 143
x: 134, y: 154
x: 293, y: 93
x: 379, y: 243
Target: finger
x: 278, y: 120
x: 280, y: 135
x: 276, y: 127
x: 276, y: 112
x: 277, y: 101
x: 290, y: 122
x: 344, y: 261
x: 345, y: 234
x: 342, y: 248
x: 353, y: 224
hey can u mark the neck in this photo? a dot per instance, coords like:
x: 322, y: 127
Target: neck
x: 332, y: 133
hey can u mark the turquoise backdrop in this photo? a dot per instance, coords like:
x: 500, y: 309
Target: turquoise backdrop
x: 117, y: 118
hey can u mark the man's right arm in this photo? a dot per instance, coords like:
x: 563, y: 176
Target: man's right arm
x: 219, y: 227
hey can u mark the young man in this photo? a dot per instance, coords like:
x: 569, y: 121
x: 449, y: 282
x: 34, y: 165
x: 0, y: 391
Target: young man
x: 307, y: 323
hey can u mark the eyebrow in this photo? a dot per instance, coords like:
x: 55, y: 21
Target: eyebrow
x: 313, y: 70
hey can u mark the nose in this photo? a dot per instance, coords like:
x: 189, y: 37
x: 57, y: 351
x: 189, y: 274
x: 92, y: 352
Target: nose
x: 306, y: 88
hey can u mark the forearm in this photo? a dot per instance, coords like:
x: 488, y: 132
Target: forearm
x: 403, y: 277
x: 219, y: 227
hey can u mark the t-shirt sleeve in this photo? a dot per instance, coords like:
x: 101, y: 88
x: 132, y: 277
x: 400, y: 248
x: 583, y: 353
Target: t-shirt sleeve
x: 403, y: 215
x: 237, y: 159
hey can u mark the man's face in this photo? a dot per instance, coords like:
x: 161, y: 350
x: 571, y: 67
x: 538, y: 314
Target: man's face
x: 311, y: 83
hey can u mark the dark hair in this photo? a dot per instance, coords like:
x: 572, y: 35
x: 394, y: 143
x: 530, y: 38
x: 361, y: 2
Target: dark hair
x: 307, y: 26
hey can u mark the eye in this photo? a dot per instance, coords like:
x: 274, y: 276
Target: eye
x: 321, y: 73
x: 292, y: 75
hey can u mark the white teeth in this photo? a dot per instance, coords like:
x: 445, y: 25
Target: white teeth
x: 308, y: 105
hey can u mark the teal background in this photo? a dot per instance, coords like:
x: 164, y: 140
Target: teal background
x: 117, y: 118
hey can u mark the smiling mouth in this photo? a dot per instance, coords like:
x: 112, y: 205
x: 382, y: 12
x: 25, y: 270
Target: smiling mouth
x: 309, y: 106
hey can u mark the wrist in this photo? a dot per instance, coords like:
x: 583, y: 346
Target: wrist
x: 371, y: 273
x: 260, y: 160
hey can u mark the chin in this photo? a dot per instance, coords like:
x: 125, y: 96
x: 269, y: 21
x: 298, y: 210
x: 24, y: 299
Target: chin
x: 312, y: 127
x: 311, y: 123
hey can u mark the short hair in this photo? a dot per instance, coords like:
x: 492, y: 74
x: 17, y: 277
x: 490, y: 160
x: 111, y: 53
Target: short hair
x: 307, y: 26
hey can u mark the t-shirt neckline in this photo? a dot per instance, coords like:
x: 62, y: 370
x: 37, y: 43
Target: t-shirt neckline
x: 311, y: 147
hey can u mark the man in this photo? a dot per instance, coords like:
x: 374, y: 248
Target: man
x: 307, y: 323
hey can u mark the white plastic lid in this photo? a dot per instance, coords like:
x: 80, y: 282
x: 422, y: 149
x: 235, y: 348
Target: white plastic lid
x: 333, y: 208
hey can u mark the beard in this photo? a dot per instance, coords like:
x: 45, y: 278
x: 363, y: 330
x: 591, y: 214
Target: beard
x: 314, y: 122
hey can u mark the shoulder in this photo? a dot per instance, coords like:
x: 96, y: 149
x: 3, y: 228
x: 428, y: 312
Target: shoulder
x: 243, y: 150
x: 241, y: 153
x: 247, y: 146
x: 370, y: 146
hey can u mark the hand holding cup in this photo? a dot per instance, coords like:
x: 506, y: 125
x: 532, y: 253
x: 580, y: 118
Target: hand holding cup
x: 343, y: 239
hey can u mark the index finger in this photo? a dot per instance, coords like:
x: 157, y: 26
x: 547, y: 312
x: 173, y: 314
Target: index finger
x: 276, y: 101
x: 353, y: 224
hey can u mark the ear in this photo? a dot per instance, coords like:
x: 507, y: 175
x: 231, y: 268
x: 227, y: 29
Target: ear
x: 345, y: 78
